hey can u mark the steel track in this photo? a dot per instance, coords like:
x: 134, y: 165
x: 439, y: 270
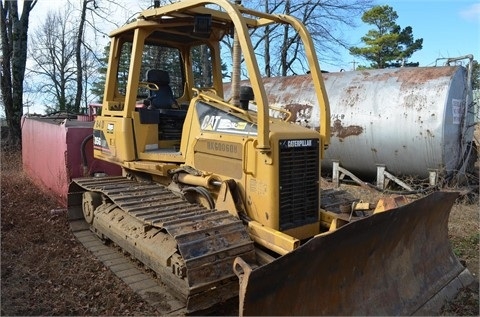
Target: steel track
x: 205, y: 242
x: 151, y: 289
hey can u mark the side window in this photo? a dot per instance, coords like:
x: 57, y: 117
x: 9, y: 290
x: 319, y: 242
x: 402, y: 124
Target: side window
x: 167, y: 59
x: 202, y: 66
x: 123, y: 67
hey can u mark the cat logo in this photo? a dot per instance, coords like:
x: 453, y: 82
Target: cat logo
x: 210, y: 123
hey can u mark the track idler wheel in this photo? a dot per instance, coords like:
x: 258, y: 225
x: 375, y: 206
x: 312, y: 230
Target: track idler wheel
x: 91, y: 201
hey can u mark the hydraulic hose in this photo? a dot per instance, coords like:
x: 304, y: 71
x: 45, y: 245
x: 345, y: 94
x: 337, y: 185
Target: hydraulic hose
x: 83, y: 154
x: 203, y: 192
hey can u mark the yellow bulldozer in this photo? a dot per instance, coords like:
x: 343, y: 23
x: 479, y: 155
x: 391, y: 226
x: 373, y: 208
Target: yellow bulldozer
x: 221, y: 200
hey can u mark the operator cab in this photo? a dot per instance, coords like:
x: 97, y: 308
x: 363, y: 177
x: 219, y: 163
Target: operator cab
x: 181, y: 48
x: 173, y: 66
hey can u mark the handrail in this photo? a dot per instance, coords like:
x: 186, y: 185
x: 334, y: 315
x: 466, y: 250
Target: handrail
x: 208, y: 96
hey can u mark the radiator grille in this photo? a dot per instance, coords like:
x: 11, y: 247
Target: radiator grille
x: 299, y: 181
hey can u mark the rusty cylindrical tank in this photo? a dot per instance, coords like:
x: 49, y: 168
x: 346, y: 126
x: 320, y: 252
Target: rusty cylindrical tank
x: 411, y: 120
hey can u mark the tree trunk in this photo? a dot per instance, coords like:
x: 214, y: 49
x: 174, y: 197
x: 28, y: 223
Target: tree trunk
x: 78, y: 57
x: 267, y: 45
x: 5, y: 73
x: 285, y: 44
x: 14, y: 48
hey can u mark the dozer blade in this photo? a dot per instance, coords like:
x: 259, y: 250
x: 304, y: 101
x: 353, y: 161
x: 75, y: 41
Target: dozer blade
x: 397, y: 262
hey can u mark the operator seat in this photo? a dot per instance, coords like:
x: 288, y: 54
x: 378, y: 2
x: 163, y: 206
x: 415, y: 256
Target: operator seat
x: 163, y: 97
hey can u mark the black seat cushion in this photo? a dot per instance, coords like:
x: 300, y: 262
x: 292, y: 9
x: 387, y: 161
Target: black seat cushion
x: 163, y: 97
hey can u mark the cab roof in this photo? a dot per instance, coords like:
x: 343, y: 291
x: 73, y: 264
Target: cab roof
x: 184, y: 22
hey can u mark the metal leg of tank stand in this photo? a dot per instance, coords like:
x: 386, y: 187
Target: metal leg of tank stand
x: 382, y: 182
x: 340, y: 172
x: 336, y: 173
x: 432, y: 177
x: 381, y: 176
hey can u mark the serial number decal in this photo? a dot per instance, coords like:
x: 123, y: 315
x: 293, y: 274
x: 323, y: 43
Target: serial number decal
x: 219, y: 148
x: 258, y: 186
x: 222, y: 147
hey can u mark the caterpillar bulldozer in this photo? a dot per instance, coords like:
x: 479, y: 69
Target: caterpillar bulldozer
x: 222, y: 200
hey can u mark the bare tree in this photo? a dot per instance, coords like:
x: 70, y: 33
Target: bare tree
x: 14, y: 30
x: 325, y: 20
x: 85, y: 55
x: 53, y: 52
x: 68, y: 62
x: 90, y: 75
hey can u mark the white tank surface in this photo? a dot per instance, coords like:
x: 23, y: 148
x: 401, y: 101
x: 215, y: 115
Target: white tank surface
x: 412, y: 120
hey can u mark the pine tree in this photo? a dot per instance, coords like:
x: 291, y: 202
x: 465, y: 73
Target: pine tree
x: 388, y: 45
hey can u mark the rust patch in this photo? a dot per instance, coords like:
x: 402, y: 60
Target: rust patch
x: 283, y: 89
x: 301, y: 113
x: 342, y: 132
x: 411, y: 76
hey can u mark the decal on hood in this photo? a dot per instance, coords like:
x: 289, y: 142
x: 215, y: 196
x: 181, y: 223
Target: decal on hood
x: 213, y: 119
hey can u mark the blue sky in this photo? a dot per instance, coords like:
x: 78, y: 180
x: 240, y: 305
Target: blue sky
x: 448, y: 28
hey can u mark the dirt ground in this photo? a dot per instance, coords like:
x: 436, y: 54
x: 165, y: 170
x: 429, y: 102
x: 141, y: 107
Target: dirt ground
x: 45, y: 271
